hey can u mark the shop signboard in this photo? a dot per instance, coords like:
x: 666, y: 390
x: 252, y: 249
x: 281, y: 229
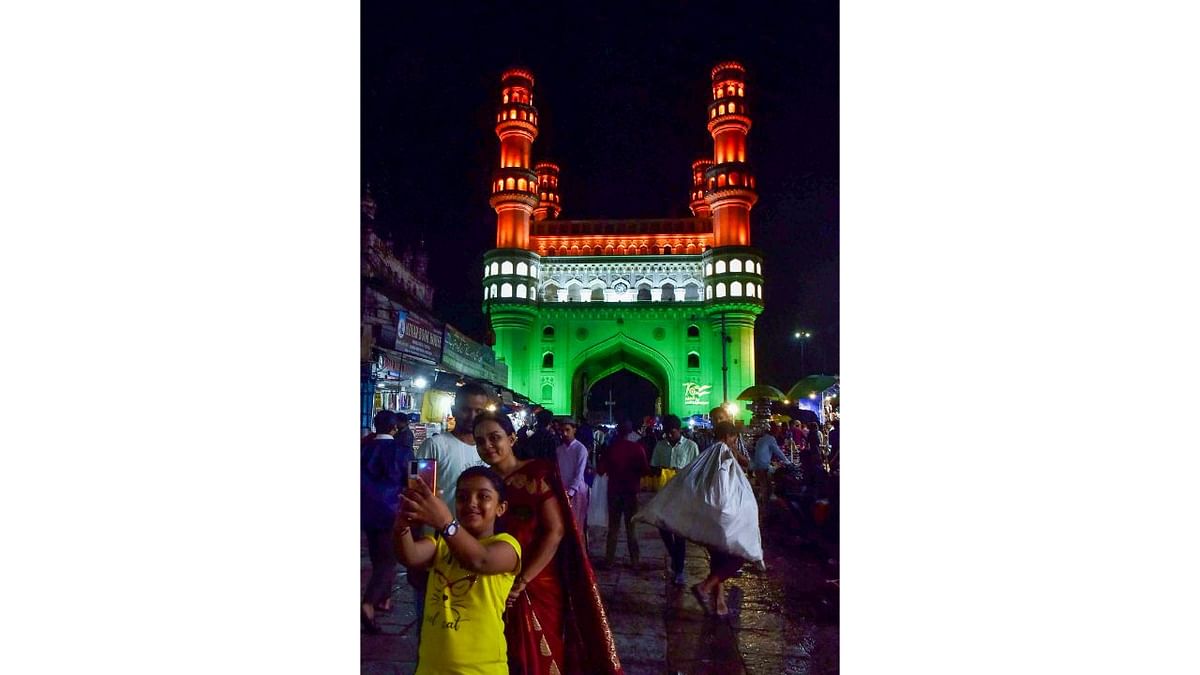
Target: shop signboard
x: 419, y: 336
x: 468, y: 357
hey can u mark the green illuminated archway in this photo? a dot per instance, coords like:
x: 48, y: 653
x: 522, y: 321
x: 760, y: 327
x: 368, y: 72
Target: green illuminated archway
x: 619, y: 352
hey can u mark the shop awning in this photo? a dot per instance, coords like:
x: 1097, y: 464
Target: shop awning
x: 813, y: 384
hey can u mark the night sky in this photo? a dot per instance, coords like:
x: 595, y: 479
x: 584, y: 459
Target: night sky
x: 621, y: 98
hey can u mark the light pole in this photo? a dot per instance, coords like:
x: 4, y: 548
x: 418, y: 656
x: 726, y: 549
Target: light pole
x: 802, y: 337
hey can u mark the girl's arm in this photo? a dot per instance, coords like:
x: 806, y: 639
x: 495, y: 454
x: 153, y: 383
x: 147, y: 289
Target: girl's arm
x: 421, y: 505
x: 414, y: 554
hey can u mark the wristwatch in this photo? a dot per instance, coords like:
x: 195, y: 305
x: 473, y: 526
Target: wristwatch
x: 451, y: 529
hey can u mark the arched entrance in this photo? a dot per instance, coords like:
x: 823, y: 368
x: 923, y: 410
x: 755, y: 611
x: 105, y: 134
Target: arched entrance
x: 623, y: 395
x: 614, y: 354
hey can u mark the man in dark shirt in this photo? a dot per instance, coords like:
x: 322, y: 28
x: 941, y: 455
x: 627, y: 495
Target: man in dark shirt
x: 542, y: 444
x: 624, y: 463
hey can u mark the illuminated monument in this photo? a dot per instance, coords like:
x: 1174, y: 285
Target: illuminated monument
x: 573, y: 301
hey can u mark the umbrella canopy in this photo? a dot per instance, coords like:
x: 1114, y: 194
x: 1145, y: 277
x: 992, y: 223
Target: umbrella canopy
x: 760, y: 391
x: 813, y: 384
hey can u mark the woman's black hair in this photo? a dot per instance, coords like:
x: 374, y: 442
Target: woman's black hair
x: 498, y: 418
x: 496, y: 480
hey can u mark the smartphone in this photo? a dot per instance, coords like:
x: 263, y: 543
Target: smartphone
x: 424, y: 470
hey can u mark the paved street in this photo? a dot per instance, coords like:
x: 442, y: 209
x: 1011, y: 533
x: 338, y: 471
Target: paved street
x: 785, y: 620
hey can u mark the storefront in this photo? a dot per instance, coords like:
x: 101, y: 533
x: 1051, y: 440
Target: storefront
x: 403, y: 360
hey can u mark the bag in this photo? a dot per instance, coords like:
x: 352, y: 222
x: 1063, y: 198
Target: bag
x: 710, y: 502
x: 597, y: 513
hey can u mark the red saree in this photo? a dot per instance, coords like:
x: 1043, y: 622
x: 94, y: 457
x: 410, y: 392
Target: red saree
x: 558, y: 625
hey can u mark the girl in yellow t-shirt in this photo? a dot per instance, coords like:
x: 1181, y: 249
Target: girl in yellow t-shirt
x: 472, y: 573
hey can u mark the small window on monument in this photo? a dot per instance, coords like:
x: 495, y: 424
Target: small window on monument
x: 548, y: 332
x: 548, y: 360
x: 693, y: 360
x: 693, y: 331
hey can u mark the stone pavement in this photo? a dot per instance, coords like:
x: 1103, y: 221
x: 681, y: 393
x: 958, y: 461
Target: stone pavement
x: 784, y: 620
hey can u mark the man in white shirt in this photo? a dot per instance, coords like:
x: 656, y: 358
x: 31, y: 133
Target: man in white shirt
x: 674, y: 452
x: 454, y: 452
x: 572, y: 461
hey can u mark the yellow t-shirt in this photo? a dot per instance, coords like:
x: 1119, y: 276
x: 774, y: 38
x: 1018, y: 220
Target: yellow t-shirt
x: 463, y: 628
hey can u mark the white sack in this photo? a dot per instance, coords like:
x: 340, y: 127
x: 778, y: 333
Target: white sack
x: 597, y: 513
x: 710, y: 501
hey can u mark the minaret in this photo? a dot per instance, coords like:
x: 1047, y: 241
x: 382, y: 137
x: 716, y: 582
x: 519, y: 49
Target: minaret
x: 730, y: 184
x: 698, y: 206
x: 733, y: 282
x: 510, y: 271
x: 547, y: 180
x: 514, y: 184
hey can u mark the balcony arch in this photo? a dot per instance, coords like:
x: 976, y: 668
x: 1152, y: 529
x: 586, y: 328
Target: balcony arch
x: 735, y: 289
x: 506, y: 290
x: 668, y: 292
x: 522, y: 269
x: 506, y: 267
x: 721, y: 289
x: 548, y: 360
x: 522, y: 293
x: 693, y: 360
x: 735, y: 265
x: 720, y: 267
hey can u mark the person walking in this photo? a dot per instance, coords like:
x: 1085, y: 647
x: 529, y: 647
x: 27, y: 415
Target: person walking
x: 572, y: 457
x: 383, y: 463
x: 624, y: 463
x: 672, y: 453
x: 723, y: 565
x: 766, y: 450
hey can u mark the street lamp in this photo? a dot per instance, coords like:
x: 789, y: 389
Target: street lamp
x: 802, y: 337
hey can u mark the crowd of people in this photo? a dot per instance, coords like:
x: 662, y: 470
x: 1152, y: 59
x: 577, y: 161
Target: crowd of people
x: 496, y: 554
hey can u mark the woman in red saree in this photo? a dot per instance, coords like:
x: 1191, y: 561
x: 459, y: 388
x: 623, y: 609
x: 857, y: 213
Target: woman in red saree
x: 555, y: 623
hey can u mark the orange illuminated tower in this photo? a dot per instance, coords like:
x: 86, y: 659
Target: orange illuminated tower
x: 548, y: 203
x: 514, y: 184
x: 698, y: 206
x: 730, y: 192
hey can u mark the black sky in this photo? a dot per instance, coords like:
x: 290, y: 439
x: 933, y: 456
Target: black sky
x: 621, y: 96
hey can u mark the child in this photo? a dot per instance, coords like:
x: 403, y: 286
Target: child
x: 472, y: 573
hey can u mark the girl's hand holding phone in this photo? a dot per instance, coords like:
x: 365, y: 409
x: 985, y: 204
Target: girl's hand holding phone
x: 420, y: 505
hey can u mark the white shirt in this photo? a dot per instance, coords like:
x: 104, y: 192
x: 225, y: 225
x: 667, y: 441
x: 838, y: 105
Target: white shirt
x: 453, y: 457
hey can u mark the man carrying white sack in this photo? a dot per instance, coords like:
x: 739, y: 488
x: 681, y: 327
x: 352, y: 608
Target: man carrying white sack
x: 710, y: 502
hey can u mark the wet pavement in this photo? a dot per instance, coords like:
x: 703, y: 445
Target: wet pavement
x: 784, y: 620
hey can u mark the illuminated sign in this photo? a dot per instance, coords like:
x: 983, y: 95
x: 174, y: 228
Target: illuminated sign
x: 695, y: 394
